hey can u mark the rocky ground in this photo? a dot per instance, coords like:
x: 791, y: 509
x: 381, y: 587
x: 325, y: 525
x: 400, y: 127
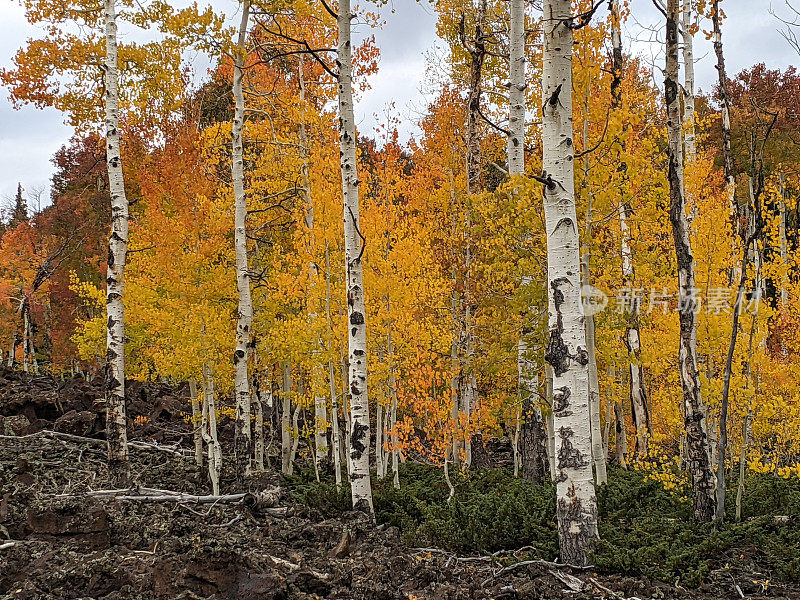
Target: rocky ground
x: 60, y: 539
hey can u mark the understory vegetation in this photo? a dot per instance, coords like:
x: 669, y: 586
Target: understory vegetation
x: 645, y: 529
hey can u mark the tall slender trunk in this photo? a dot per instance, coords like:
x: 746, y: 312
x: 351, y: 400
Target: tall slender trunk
x: 746, y: 238
x: 210, y: 435
x: 687, y: 22
x: 197, y: 426
x: 598, y: 456
x: 116, y: 420
x: 516, y: 90
x: 258, y: 424
x: 320, y: 410
x: 244, y: 319
x: 740, y: 489
x: 638, y: 392
x: 337, y: 445
x: 551, y: 430
x: 699, y: 466
x: 379, y: 466
x: 286, y: 419
x: 361, y: 487
x: 395, y: 440
x: 476, y: 456
x: 784, y: 245
x: 566, y: 351
x: 531, y: 439
x: 26, y: 337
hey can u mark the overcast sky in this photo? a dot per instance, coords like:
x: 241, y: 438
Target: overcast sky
x: 29, y: 137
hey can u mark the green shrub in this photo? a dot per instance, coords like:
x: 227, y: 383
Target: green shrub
x: 645, y: 530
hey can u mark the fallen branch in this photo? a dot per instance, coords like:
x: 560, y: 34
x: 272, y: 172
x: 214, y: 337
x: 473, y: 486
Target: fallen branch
x: 5, y: 545
x: 253, y: 501
x: 94, y: 441
x: 535, y: 561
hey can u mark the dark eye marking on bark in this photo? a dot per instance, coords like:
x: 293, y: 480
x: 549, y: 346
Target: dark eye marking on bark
x: 568, y: 455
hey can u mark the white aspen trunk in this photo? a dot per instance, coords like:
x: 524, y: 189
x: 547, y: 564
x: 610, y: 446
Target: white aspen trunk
x: 455, y: 342
x: 11, y: 348
x: 337, y: 445
x: 361, y: 486
x: 566, y: 351
x: 116, y: 420
x: 295, y: 438
x: 515, y: 443
x: 598, y: 456
x: 697, y: 441
x: 454, y: 381
x: 210, y: 436
x: 258, y: 450
x: 379, y: 469
x: 395, y: 441
x: 320, y: 410
x: 638, y: 392
x: 346, y: 414
x: 286, y: 416
x: 784, y: 244
x: 477, y: 50
x: 621, y: 437
x: 244, y: 321
x: 730, y: 181
x: 551, y: 429
x: 197, y: 427
x: 516, y: 90
x: 26, y: 337
x: 687, y: 22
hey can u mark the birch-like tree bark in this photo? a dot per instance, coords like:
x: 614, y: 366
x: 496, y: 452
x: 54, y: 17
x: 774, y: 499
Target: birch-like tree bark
x: 361, y: 486
x: 476, y: 456
x: 516, y: 90
x: 550, y: 420
x: 209, y: 429
x: 598, y: 455
x: 566, y: 350
x: 320, y: 410
x: 727, y: 155
x: 337, y: 445
x: 530, y: 441
x: 638, y: 392
x: 116, y: 419
x: 244, y: 321
x: 197, y: 426
x: 697, y: 442
x: 687, y: 23
x: 286, y: 419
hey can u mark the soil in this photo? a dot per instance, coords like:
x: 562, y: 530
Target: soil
x: 58, y: 541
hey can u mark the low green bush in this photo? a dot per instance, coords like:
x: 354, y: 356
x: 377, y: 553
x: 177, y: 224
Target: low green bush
x: 644, y: 529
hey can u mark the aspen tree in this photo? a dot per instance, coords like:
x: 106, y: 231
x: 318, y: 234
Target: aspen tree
x: 697, y: 443
x: 566, y: 350
x: 116, y: 420
x: 687, y: 26
x: 355, y: 243
x: 244, y: 320
x: 532, y: 435
x: 320, y: 410
x: 209, y: 428
x: 598, y: 455
x: 638, y: 391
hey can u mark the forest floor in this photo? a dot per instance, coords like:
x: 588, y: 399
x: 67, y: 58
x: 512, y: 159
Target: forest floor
x: 59, y: 540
